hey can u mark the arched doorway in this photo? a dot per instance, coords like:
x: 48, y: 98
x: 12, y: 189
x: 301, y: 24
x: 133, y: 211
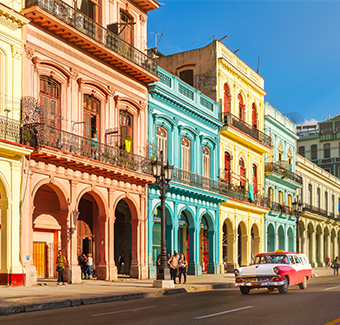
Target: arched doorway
x: 290, y: 240
x: 255, y: 240
x: 204, y: 244
x: 270, y: 238
x: 281, y: 239
x: 47, y: 237
x: 229, y: 259
x: 183, y: 235
x: 241, y: 245
x: 123, y: 237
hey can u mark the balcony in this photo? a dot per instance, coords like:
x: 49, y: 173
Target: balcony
x: 231, y: 122
x: 80, y: 153
x: 9, y: 129
x: 69, y: 23
x: 282, y: 175
x: 281, y: 208
x: 314, y: 209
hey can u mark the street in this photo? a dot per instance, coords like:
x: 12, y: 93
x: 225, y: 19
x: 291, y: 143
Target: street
x: 319, y: 304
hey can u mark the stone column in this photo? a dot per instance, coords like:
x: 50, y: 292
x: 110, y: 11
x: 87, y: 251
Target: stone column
x: 194, y: 266
x: 143, y: 269
x: 321, y: 259
x: 112, y: 269
x: 135, y: 243
x: 312, y: 249
x: 102, y: 271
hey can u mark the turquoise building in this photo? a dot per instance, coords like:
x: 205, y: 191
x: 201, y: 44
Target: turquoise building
x: 185, y: 124
x: 281, y: 182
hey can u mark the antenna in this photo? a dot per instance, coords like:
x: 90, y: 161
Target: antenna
x: 223, y: 38
x: 156, y: 34
x: 258, y: 65
x: 236, y: 51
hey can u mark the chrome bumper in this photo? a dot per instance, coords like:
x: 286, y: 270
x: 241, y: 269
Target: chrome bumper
x: 260, y: 284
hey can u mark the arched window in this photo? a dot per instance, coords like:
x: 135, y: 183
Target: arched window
x: 255, y: 178
x: 227, y: 161
x: 240, y: 107
x: 289, y: 157
x: 126, y: 128
x: 185, y: 153
x: 314, y: 152
x: 280, y: 152
x: 280, y: 197
x: 162, y: 142
x: 254, y: 116
x: 310, y: 196
x: 242, y: 173
x: 327, y: 150
x: 226, y: 100
x: 318, y: 198
x: 206, y: 161
x: 302, y: 151
x: 50, y: 101
x: 270, y: 193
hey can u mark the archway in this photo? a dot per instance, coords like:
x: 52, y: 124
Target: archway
x: 290, y: 240
x: 270, y: 238
x: 207, y: 244
x: 333, y: 245
x: 255, y: 240
x: 318, y: 246
x: 229, y: 259
x: 123, y: 237
x: 183, y: 235
x: 281, y: 238
x: 48, y: 221
x: 242, y: 244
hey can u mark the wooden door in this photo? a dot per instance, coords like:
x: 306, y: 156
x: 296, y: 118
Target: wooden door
x: 227, y: 167
x: 39, y: 258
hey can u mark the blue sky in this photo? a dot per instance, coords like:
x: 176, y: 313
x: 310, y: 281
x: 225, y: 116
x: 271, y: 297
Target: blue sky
x: 298, y: 43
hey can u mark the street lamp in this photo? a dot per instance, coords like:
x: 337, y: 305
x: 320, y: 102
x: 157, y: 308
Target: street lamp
x: 297, y: 207
x: 163, y: 175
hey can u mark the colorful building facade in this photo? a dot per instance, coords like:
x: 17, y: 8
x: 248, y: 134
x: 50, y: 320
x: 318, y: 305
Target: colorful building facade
x: 281, y: 182
x: 221, y: 75
x: 11, y: 152
x: 85, y: 113
x: 184, y: 124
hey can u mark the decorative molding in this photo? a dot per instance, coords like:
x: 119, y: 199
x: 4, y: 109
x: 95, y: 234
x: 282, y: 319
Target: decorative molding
x: 29, y: 51
x: 74, y: 73
x: 142, y: 19
x: 16, y: 52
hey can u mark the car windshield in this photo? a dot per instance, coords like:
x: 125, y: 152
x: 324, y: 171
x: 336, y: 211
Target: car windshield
x: 271, y: 259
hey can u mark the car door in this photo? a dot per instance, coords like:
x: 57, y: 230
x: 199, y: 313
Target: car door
x: 298, y: 268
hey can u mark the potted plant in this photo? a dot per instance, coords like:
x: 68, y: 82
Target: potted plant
x: 27, y: 137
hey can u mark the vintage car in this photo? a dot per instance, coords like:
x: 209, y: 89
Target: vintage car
x: 274, y: 270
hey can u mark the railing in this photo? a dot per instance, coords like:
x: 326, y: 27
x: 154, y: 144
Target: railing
x: 284, y: 173
x: 314, y: 209
x: 281, y: 208
x: 42, y: 135
x: 230, y: 119
x: 87, y: 26
x: 9, y: 129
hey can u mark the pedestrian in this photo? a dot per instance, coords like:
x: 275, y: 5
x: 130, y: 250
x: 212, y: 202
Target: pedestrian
x: 89, y: 265
x: 158, y: 261
x: 328, y: 262
x: 336, y: 265
x: 61, y: 261
x: 121, y: 263
x: 173, y: 263
x: 182, y: 266
x: 82, y: 263
x: 94, y: 144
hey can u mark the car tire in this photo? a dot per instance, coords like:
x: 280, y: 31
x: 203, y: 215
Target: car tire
x: 271, y: 288
x: 244, y: 290
x: 303, y: 285
x: 284, y: 287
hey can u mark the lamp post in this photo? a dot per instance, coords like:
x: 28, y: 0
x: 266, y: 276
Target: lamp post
x: 297, y: 206
x: 163, y: 175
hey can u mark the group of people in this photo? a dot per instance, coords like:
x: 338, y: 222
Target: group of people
x: 86, y: 264
x: 178, y: 266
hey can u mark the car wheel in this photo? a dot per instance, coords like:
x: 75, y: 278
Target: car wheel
x: 271, y: 288
x: 244, y: 290
x: 284, y: 287
x: 303, y: 285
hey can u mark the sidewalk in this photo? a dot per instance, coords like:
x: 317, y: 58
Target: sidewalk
x: 47, y: 295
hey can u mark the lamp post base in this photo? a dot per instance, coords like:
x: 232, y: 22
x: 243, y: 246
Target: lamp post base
x: 164, y: 284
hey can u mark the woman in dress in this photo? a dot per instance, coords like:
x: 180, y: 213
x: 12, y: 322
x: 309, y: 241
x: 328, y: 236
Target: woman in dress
x: 61, y: 260
x: 182, y: 266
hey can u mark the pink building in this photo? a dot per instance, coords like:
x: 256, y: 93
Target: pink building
x: 85, y: 113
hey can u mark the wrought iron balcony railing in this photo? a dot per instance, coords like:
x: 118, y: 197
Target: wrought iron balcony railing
x: 87, y: 26
x: 230, y: 119
x: 314, y: 209
x: 42, y: 135
x: 9, y: 129
x: 284, y: 173
x: 281, y: 208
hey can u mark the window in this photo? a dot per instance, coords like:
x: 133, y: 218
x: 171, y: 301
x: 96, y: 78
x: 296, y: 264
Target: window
x: 50, y: 101
x: 226, y: 100
x: 280, y: 197
x: 326, y: 201
x: 289, y: 157
x: 254, y: 116
x: 206, y: 161
x: 333, y: 204
x: 126, y: 27
x: 289, y: 200
x: 310, y: 194
x: 89, y: 8
x: 125, y: 127
x: 227, y: 160
x: 314, y: 152
x: 162, y: 141
x: 302, y: 151
x: 242, y: 173
x: 187, y: 76
x: 280, y: 152
x: 255, y: 178
x: 318, y: 198
x: 270, y: 194
x: 327, y: 150
x: 240, y: 107
x: 185, y: 153
x: 91, y: 116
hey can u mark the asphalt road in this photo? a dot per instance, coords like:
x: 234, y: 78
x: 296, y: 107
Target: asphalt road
x: 318, y: 304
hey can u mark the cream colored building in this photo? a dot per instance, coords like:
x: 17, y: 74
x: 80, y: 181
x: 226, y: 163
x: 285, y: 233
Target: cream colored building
x: 320, y: 219
x: 11, y: 152
x: 220, y: 74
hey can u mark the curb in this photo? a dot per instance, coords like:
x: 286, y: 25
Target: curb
x: 65, y: 303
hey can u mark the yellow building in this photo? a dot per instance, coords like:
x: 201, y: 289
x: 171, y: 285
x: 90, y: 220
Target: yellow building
x: 221, y: 75
x: 11, y: 152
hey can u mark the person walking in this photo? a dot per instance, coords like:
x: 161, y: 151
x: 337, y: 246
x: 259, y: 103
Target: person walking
x: 61, y: 261
x: 89, y: 265
x: 173, y: 263
x: 336, y: 266
x: 82, y: 263
x: 121, y: 263
x: 328, y: 262
x: 182, y: 265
